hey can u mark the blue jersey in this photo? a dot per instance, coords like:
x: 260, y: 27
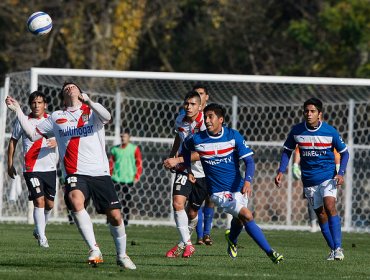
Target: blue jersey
x: 316, y: 147
x: 220, y: 157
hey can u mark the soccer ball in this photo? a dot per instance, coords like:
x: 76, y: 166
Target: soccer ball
x: 39, y: 23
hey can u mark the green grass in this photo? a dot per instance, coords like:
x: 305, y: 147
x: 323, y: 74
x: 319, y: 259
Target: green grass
x: 21, y: 258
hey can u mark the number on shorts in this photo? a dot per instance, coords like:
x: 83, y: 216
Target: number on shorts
x: 72, y: 180
x: 35, y: 184
x: 181, y: 179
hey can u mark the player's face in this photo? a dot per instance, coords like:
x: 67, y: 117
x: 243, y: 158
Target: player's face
x: 312, y: 115
x: 125, y: 138
x: 203, y: 96
x: 192, y: 107
x: 71, y: 91
x: 213, y: 122
x: 38, y: 107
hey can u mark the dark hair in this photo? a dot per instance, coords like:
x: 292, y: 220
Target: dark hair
x: 192, y: 94
x: 61, y: 96
x: 125, y: 131
x: 217, y: 108
x: 315, y: 102
x: 36, y: 94
x: 199, y: 85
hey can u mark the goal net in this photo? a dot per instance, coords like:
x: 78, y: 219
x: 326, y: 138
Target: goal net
x: 262, y: 108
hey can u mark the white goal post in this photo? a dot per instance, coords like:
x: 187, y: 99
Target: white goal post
x: 263, y: 108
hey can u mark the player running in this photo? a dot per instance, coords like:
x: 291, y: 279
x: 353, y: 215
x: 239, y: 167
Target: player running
x: 80, y: 134
x: 220, y: 149
x: 317, y: 141
x: 39, y: 166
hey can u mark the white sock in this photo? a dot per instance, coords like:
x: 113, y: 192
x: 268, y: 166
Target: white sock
x: 119, y: 237
x: 86, y: 228
x: 47, y: 214
x: 192, y: 225
x: 39, y: 218
x: 181, y: 219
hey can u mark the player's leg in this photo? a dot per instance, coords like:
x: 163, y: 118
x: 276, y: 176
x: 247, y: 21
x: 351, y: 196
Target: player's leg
x: 236, y: 205
x: 77, y: 192
x: 199, y: 227
x: 181, y: 190
x: 106, y: 202
x: 35, y: 187
x: 314, y: 197
x: 208, y: 219
x: 329, y: 191
x: 49, y: 179
x: 126, y: 199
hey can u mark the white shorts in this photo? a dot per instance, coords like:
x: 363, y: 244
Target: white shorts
x: 230, y: 202
x: 315, y: 194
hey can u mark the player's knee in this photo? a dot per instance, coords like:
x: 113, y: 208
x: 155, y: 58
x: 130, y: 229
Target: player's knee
x: 245, y: 215
x: 178, y: 206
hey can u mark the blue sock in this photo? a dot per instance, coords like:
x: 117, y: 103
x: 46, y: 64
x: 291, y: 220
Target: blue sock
x: 199, y: 228
x: 256, y: 233
x: 235, y: 230
x: 335, y: 230
x: 208, y: 218
x: 327, y: 235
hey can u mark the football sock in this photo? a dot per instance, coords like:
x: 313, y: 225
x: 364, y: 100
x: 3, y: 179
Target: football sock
x: 39, y: 217
x: 181, y: 219
x: 119, y: 237
x: 192, y: 224
x: 85, y: 227
x: 256, y: 233
x: 208, y: 219
x: 199, y: 227
x: 335, y: 230
x: 47, y: 214
x: 327, y: 235
x: 235, y: 229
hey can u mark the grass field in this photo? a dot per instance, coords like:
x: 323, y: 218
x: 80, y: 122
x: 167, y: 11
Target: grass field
x: 304, y: 252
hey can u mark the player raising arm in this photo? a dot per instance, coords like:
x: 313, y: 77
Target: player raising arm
x: 220, y: 149
x: 79, y: 131
x: 316, y: 141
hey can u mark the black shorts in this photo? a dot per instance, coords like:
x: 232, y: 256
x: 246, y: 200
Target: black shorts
x: 196, y: 193
x: 99, y: 188
x: 41, y: 184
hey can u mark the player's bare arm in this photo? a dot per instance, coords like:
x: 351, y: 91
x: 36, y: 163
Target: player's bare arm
x: 11, y: 150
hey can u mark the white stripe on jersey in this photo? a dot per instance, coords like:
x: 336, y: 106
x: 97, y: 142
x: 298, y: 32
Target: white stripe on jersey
x: 220, y: 149
x: 314, y: 142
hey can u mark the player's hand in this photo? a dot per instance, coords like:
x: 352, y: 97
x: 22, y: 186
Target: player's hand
x: 84, y: 98
x: 296, y: 171
x: 191, y: 177
x: 279, y: 179
x: 12, y: 172
x: 247, y: 190
x: 51, y: 143
x: 339, y: 180
x: 12, y: 104
x: 170, y: 163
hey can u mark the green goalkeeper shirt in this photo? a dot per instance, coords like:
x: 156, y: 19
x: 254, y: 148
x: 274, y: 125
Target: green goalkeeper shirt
x: 127, y: 163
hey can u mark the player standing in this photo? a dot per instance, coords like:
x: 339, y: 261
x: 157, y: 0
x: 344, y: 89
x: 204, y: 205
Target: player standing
x: 183, y: 190
x: 80, y: 134
x: 220, y: 149
x: 39, y: 166
x: 317, y: 141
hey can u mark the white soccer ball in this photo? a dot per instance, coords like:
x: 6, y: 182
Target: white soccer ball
x: 39, y: 23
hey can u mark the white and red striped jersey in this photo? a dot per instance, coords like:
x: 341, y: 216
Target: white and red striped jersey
x: 38, y: 157
x: 184, y: 129
x: 80, y: 135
